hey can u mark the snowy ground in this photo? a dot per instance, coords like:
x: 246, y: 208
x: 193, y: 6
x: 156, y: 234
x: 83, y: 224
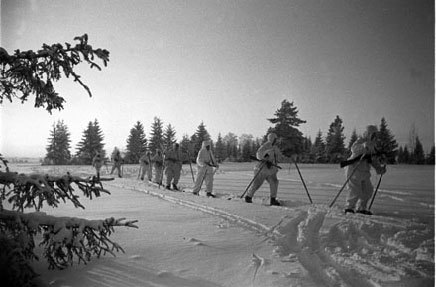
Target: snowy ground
x: 185, y: 240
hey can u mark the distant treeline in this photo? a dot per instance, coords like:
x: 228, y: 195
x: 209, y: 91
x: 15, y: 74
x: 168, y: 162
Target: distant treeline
x: 330, y: 148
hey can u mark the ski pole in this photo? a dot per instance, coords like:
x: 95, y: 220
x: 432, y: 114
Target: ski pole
x: 255, y: 176
x: 302, y: 180
x: 375, y: 192
x: 139, y: 171
x: 348, y: 179
x: 163, y: 165
x: 190, y: 166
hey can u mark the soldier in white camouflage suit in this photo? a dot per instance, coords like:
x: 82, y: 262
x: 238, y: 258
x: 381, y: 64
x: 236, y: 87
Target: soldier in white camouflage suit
x: 117, y: 161
x: 173, y: 163
x: 269, y: 156
x: 145, y: 165
x: 157, y: 161
x: 97, y: 163
x: 205, y: 164
x: 360, y: 188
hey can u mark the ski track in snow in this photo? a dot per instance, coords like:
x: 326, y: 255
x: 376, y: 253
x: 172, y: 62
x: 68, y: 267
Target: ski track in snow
x: 119, y: 273
x: 358, y: 251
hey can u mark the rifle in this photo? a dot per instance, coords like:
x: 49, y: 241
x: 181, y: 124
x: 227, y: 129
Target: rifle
x: 348, y: 162
x: 367, y: 157
x: 265, y: 161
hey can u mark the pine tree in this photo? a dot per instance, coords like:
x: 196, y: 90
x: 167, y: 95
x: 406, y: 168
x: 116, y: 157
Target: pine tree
x: 156, y: 135
x: 187, y: 149
x: 220, y: 149
x: 318, y: 148
x: 256, y: 145
x: 58, y: 150
x: 431, y: 156
x: 386, y: 142
x: 136, y: 143
x: 335, y: 147
x: 169, y: 137
x: 90, y: 144
x: 407, y: 156
x: 418, y: 153
x: 200, y: 135
x: 231, y: 142
x: 307, y: 147
x: 286, y: 122
x: 353, y: 139
x: 98, y: 138
x: 245, y: 144
x: 400, y: 155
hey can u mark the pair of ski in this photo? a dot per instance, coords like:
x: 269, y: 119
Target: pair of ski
x: 156, y: 184
x: 207, y: 194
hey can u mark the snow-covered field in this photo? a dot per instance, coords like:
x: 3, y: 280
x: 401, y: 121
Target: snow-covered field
x: 186, y: 240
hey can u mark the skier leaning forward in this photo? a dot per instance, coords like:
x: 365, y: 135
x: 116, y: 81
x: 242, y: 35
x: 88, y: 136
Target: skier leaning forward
x: 173, y: 162
x: 205, y: 164
x: 268, y: 155
x: 360, y: 188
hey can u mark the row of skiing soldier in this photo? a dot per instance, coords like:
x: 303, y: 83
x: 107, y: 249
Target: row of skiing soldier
x: 360, y: 189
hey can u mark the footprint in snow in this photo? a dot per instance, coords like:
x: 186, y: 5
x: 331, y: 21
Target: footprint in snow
x: 196, y: 242
x: 257, y: 262
x: 163, y: 274
x: 193, y: 240
x: 290, y: 258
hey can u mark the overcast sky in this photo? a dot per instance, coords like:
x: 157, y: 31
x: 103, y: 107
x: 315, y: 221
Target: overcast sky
x: 229, y: 64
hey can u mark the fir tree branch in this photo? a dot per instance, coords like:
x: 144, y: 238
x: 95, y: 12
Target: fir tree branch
x: 64, y: 238
x: 32, y: 191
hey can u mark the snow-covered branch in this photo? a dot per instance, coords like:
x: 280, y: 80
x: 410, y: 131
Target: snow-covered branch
x: 31, y: 191
x: 28, y: 72
x: 64, y: 238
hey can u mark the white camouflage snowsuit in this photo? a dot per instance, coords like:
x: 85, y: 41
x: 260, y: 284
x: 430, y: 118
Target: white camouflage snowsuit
x: 267, y: 152
x: 360, y: 188
x: 173, y: 162
x: 158, y: 166
x: 118, y: 161
x: 205, y: 165
x: 97, y: 163
x: 145, y: 165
